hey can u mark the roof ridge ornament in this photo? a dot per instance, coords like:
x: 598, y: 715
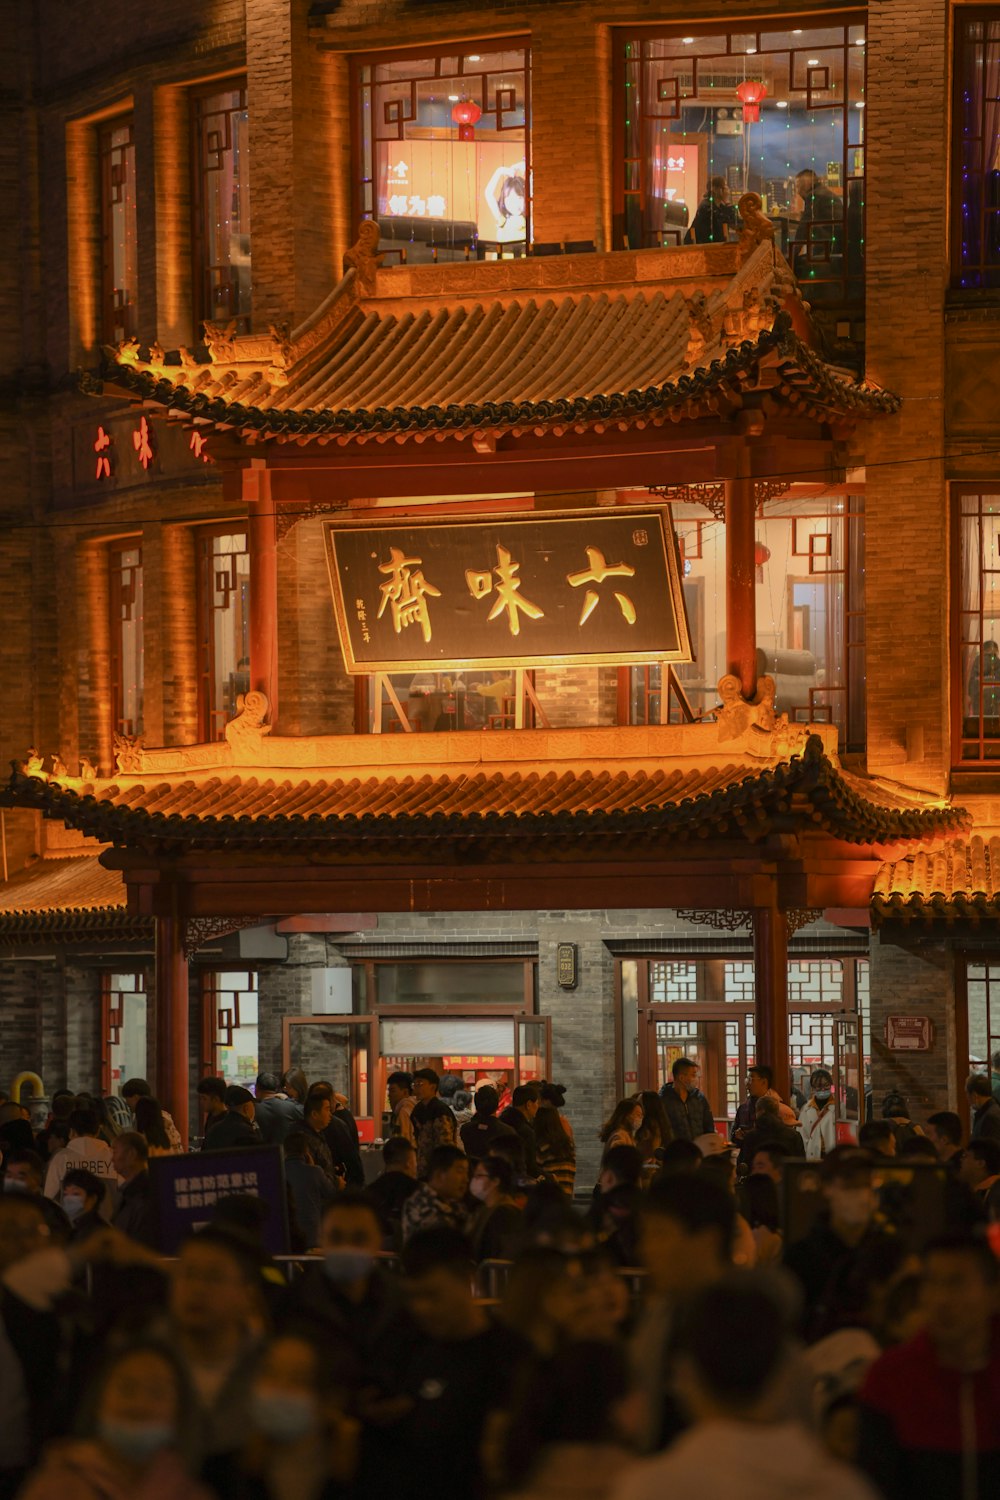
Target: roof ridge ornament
x: 245, y: 732
x: 364, y: 258
x: 757, y: 227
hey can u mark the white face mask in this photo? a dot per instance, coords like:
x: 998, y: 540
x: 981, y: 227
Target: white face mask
x: 73, y: 1205
x: 479, y: 1187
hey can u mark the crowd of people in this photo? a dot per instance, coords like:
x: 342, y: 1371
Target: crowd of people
x: 477, y: 1314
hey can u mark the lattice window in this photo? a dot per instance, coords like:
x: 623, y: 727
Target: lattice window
x: 674, y: 982
x: 816, y: 982
x: 738, y: 986
x: 220, y: 231
x: 223, y: 627
x: 232, y: 997
x: 119, y: 230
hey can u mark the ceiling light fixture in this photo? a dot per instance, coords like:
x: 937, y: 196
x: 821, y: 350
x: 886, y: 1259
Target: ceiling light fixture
x: 781, y: 103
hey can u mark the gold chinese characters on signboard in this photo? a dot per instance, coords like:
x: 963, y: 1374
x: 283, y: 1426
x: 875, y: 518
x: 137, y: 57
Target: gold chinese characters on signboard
x: 521, y: 590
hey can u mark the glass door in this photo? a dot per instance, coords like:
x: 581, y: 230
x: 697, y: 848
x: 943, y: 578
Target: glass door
x: 720, y: 1041
x: 847, y: 1077
x: 340, y: 1052
x: 533, y: 1049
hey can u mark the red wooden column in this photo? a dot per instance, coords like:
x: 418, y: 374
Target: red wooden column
x: 741, y: 603
x: 770, y: 951
x: 262, y: 540
x: 173, y: 1067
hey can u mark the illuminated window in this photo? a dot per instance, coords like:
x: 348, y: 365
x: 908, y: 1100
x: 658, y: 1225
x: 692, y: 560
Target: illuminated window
x: 779, y: 112
x: 118, y: 231
x: 976, y: 629
x: 223, y: 627
x: 230, y: 1011
x: 444, y: 151
x: 438, y: 701
x: 810, y: 614
x: 976, y: 175
x: 123, y: 1028
x: 126, y: 638
x: 221, y: 192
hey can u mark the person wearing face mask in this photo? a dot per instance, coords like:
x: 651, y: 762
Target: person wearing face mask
x: 817, y: 1118
x: 135, y: 1448
x: 498, y: 1223
x: 826, y: 1261
x: 82, y: 1196
x: 621, y: 1127
x: 349, y: 1301
x: 301, y: 1445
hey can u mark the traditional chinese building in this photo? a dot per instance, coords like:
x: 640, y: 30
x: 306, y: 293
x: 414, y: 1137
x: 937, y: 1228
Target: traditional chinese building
x: 511, y: 587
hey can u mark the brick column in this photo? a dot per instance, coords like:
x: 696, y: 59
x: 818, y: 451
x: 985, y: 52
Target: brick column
x: 173, y: 1062
x: 741, y: 585
x: 299, y: 162
x: 571, y: 140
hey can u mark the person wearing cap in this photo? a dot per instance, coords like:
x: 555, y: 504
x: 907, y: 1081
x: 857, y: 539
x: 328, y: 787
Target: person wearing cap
x: 433, y: 1122
x: 829, y: 1260
x: 236, y: 1128
x: 482, y: 1130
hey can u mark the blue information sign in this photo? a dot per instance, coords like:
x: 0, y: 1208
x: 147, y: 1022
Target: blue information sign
x: 187, y: 1189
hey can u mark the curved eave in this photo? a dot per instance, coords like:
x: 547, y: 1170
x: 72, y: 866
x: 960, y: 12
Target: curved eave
x: 808, y: 379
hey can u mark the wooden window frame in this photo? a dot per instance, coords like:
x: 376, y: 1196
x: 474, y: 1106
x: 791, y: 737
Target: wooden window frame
x: 115, y: 318
x: 204, y: 536
x: 202, y: 302
x: 115, y: 600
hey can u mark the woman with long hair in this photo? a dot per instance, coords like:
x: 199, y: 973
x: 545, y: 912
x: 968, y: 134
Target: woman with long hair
x: 134, y: 1447
x: 555, y: 1150
x: 149, y: 1123
x: 622, y: 1126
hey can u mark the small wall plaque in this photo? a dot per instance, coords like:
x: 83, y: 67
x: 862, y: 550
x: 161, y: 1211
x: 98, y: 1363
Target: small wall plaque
x: 566, y: 965
x: 909, y: 1033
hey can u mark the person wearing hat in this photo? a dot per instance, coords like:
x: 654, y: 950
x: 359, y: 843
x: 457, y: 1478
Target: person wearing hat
x: 236, y: 1128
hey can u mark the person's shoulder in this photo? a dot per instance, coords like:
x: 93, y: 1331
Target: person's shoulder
x: 889, y: 1380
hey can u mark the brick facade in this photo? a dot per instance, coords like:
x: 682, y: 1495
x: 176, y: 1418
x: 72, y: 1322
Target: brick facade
x: 54, y: 580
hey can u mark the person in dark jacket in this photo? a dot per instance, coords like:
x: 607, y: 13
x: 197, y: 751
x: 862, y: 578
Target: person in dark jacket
x: 341, y: 1134
x: 930, y: 1408
x: 518, y: 1116
x: 133, y: 1214
x: 985, y: 1109
x: 391, y: 1189
x: 24, y: 1172
x: 212, y: 1094
x: 479, y: 1133
x: 275, y: 1115
x: 310, y: 1187
x: 714, y: 217
x: 768, y: 1130
x: 433, y: 1122
x: 235, y: 1129
x: 82, y: 1195
x: 688, y: 1111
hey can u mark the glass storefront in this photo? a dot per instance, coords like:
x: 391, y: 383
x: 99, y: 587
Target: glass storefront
x: 778, y: 111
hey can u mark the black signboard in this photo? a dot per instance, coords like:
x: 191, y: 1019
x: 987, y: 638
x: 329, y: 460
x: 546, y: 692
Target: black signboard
x: 523, y: 590
x: 186, y: 1189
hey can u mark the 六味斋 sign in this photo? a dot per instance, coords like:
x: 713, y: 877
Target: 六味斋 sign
x: 562, y: 589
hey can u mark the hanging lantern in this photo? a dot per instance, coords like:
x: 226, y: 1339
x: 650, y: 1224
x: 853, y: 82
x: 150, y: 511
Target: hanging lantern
x: 750, y: 93
x: 466, y: 115
x: 761, y: 554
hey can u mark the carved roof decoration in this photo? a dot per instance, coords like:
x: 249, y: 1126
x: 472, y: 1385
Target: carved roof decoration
x: 377, y: 818
x: 956, y: 882
x: 549, y: 344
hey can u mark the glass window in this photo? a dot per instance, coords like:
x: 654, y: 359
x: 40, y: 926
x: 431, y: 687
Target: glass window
x: 124, y: 1005
x: 976, y: 643
x: 779, y: 112
x: 119, y: 236
x: 444, y: 152
x: 983, y: 989
x: 810, y: 613
x: 221, y: 200
x: 233, y: 997
x: 126, y: 638
x: 426, y: 982
x: 976, y: 217
x: 224, y: 627
x: 437, y: 701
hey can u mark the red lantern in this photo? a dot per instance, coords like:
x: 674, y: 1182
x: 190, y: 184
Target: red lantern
x: 761, y: 554
x: 466, y: 115
x: 750, y: 93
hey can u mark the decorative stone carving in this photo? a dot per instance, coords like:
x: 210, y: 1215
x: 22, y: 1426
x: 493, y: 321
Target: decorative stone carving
x: 363, y: 257
x: 757, y: 227
x: 246, y: 732
x: 737, y: 717
x: 58, y: 767
x: 34, y: 764
x: 128, y: 755
x: 87, y: 772
x: 723, y: 920
x: 219, y: 342
x: 128, y: 352
x: 702, y: 331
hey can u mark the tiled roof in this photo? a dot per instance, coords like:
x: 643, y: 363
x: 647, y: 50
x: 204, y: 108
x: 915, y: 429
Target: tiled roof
x: 65, y: 898
x: 378, y: 817
x: 407, y: 360
x: 958, y: 881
